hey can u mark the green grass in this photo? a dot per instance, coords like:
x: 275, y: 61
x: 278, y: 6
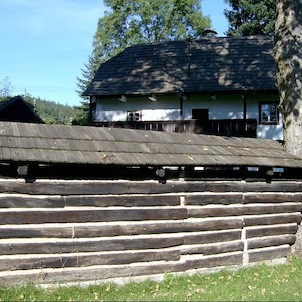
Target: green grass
x: 260, y: 283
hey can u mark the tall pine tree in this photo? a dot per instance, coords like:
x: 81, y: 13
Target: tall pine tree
x: 251, y: 17
x: 129, y: 22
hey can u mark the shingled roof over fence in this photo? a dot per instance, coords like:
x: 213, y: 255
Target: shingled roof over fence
x: 25, y: 142
x: 209, y: 64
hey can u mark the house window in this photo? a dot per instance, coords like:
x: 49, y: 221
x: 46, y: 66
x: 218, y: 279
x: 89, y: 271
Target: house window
x: 269, y: 113
x: 133, y: 116
x: 200, y: 114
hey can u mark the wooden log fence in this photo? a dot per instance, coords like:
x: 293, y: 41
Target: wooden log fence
x: 59, y: 231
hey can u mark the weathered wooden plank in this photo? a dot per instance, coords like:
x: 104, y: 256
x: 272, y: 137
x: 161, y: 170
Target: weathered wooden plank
x: 271, y: 219
x: 274, y: 186
x: 26, y: 201
x: 156, y: 227
x: 270, y: 241
x: 212, y: 249
x: 253, y: 209
x: 14, y: 247
x: 89, y: 273
x: 270, y: 253
x: 89, y: 230
x: 204, y: 199
x: 208, y: 186
x: 61, y: 231
x: 61, y: 187
x: 272, y: 197
x: 237, y: 210
x: 91, y: 215
x: 122, y: 200
x: 216, y: 261
x: 271, y: 230
x: 35, y: 261
x: 211, y: 237
x: 215, y: 211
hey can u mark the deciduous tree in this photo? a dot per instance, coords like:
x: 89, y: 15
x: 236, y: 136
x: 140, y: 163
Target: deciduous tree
x: 288, y: 56
x: 129, y: 22
x: 6, y: 87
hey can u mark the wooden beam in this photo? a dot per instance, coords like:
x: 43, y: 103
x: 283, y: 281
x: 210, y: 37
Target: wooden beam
x: 205, y: 199
x: 270, y: 219
x: 238, y: 210
x: 91, y: 215
x: 63, y: 275
x: 34, y: 246
x: 270, y: 241
x: 216, y: 260
x: 156, y: 227
x: 122, y: 200
x: 270, y: 230
x: 36, y: 231
x: 274, y: 197
x: 269, y: 253
x: 210, y: 237
x: 212, y: 248
x: 34, y: 261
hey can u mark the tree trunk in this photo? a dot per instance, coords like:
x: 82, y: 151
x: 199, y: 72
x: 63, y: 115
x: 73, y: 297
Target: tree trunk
x: 288, y: 56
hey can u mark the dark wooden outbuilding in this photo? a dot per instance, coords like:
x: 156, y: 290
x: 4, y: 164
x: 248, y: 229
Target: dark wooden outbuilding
x: 17, y: 110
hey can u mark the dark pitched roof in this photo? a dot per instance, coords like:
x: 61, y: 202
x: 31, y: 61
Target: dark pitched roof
x: 17, y: 110
x: 104, y: 146
x: 209, y: 64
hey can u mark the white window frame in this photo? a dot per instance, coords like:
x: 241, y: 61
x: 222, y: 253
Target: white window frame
x: 268, y: 113
x: 134, y: 116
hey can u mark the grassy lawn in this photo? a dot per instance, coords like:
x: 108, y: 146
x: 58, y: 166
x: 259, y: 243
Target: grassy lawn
x: 260, y: 283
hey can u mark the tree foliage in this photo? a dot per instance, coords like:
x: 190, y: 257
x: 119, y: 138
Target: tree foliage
x: 51, y: 112
x: 288, y: 56
x: 129, y: 22
x: 251, y: 17
x: 6, y: 87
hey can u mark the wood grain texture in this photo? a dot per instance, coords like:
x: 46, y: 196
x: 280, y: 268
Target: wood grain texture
x: 122, y: 200
x: 270, y: 241
x: 269, y: 253
x: 272, y: 219
x: 239, y: 210
x: 221, y: 199
x: 210, y: 237
x: 35, y: 261
x: 27, y: 201
x: 39, y: 231
x: 216, y: 260
x: 89, y: 273
x: 49, y: 216
x: 271, y: 230
x: 93, y: 245
x: 105, y: 230
x: 212, y: 249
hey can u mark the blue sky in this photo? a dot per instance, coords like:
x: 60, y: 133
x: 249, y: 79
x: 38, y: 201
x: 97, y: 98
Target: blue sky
x: 44, y: 44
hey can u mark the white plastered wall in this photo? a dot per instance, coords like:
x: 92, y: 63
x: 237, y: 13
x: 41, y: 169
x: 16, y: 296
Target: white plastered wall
x: 229, y: 106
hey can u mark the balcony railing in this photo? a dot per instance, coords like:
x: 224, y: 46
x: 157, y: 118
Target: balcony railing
x: 234, y: 127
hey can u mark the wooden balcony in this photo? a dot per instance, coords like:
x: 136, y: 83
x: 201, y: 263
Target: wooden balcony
x: 230, y: 127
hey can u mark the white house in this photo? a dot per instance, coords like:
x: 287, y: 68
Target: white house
x: 218, y: 85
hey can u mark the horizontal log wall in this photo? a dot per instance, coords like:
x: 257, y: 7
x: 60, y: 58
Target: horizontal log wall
x: 70, y: 231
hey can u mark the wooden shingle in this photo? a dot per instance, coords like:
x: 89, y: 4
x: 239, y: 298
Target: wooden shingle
x: 20, y: 142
